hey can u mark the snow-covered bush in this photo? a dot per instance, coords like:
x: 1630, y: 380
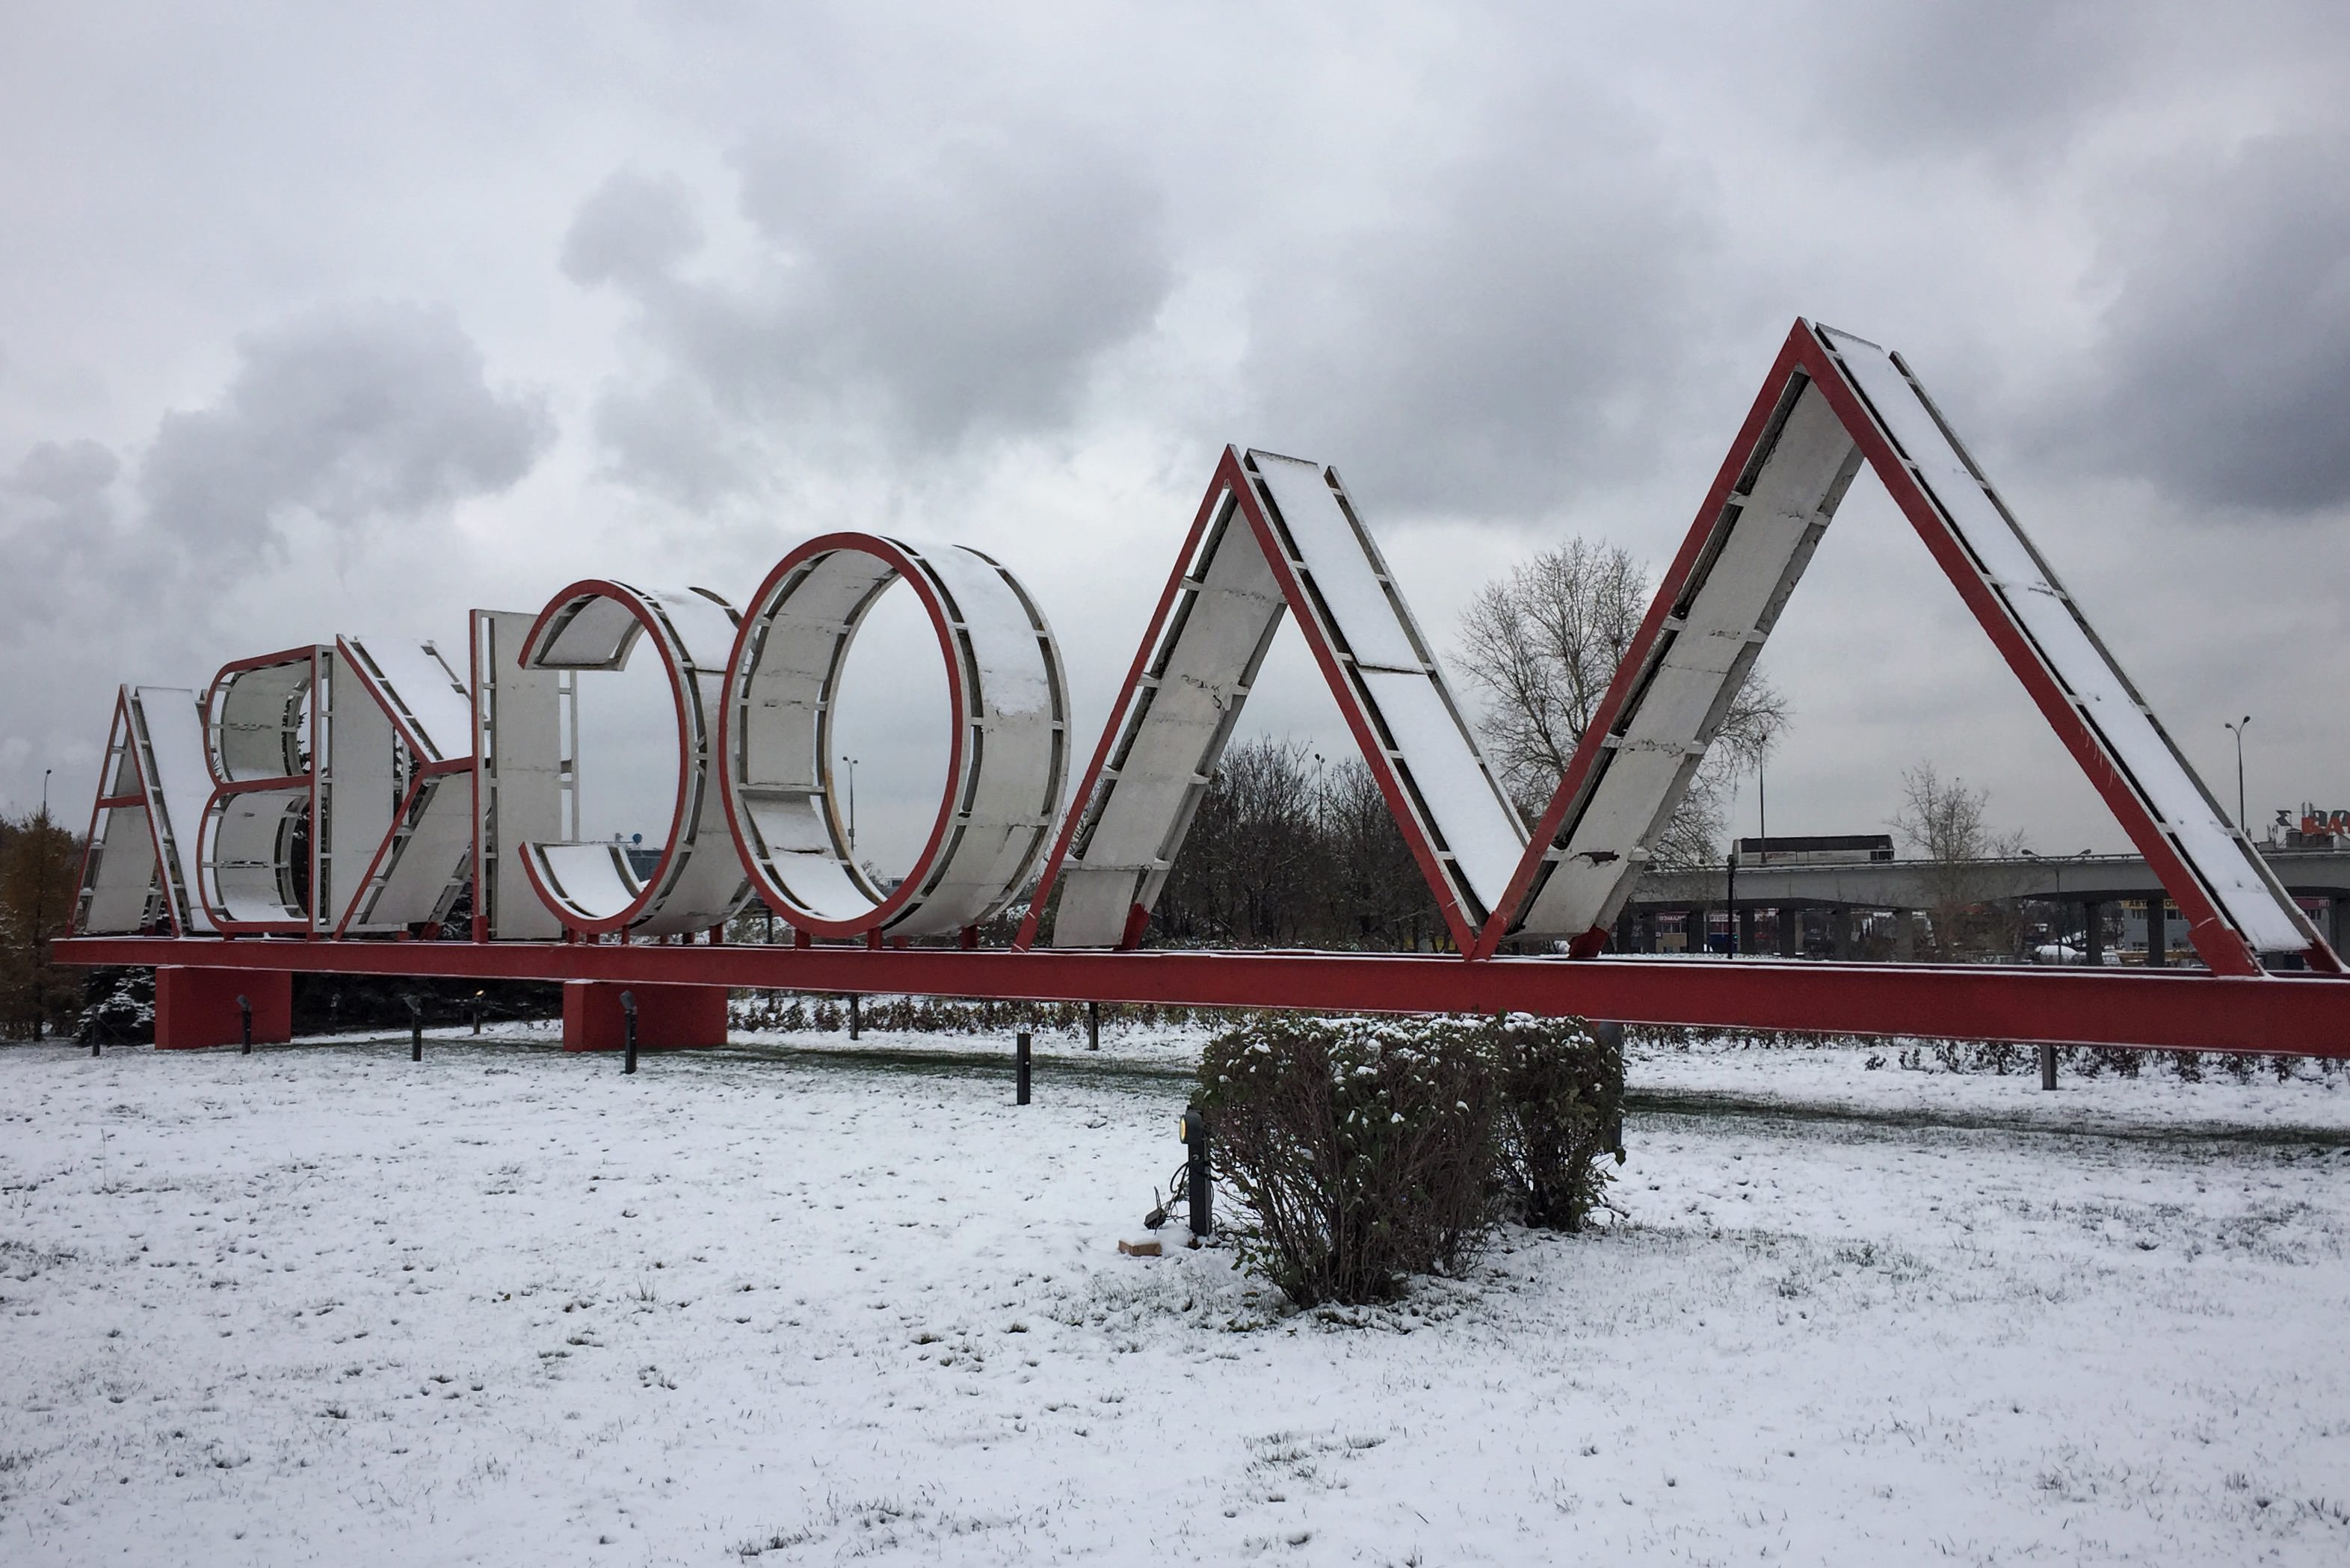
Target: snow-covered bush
x: 1370, y: 1150
x: 1562, y: 1089
x: 1366, y: 1149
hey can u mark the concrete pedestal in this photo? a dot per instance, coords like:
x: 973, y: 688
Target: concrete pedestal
x: 669, y: 1017
x: 196, y: 1008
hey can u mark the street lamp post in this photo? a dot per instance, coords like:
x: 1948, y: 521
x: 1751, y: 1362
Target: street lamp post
x: 2237, y: 728
x: 1762, y: 831
x: 1731, y: 893
x: 41, y: 909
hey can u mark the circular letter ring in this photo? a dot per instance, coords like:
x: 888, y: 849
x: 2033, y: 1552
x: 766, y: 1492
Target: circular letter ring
x: 1007, y: 765
x: 596, y: 625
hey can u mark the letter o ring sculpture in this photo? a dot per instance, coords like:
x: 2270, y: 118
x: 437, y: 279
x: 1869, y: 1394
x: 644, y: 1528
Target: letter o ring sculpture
x: 1007, y: 765
x: 696, y: 884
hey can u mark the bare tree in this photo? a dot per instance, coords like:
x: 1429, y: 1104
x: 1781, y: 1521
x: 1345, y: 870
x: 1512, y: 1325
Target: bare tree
x: 1945, y: 822
x: 1251, y: 866
x: 1541, y: 645
x: 1379, y: 897
x: 1941, y: 819
x: 1285, y: 850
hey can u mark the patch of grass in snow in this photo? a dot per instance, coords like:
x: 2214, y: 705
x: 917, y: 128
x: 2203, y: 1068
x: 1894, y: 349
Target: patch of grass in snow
x: 23, y: 1261
x: 1896, y: 1265
x: 2295, y: 1234
x: 877, y: 1524
x: 2280, y: 1233
x: 778, y: 1541
x: 1304, y: 1460
x: 2078, y: 1477
x: 1194, y: 1289
x: 16, y: 1467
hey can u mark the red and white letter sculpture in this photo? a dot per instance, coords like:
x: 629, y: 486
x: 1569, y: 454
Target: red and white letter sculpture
x: 309, y: 800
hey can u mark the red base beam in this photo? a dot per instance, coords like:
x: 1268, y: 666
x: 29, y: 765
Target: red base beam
x: 2307, y: 1015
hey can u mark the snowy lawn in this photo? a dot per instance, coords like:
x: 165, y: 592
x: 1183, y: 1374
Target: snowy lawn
x: 324, y: 1304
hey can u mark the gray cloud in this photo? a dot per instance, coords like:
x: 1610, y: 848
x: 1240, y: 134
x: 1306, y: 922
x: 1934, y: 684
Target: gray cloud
x: 351, y: 414
x: 66, y: 485
x: 2224, y: 368
x: 57, y: 530
x: 976, y: 273
x: 667, y: 433
x: 1510, y: 323
x: 920, y: 289
x: 1970, y: 77
x: 632, y: 232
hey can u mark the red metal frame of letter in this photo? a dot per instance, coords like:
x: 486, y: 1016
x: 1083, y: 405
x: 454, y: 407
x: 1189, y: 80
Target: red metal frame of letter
x: 1234, y: 476
x: 1804, y: 354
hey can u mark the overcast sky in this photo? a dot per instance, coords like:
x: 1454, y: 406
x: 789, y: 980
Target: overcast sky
x: 346, y: 318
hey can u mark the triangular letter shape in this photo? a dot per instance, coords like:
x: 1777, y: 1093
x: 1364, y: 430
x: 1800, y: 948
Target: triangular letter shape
x: 1275, y: 536
x: 136, y: 871
x: 1831, y: 400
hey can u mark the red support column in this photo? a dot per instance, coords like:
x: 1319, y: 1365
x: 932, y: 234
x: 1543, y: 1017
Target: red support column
x: 668, y: 1016
x: 195, y: 1008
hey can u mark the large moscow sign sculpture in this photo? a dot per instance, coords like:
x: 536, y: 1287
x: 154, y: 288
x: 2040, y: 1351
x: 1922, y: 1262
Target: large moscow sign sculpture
x: 363, y: 788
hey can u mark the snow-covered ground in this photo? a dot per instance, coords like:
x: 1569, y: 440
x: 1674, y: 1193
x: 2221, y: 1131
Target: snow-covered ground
x: 325, y: 1304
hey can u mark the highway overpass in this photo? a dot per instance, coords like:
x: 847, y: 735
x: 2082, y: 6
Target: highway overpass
x: 2086, y: 882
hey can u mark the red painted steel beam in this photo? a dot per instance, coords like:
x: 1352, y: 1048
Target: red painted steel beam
x: 2306, y: 1015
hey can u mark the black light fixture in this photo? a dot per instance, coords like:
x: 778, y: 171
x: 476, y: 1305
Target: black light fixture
x: 2237, y: 728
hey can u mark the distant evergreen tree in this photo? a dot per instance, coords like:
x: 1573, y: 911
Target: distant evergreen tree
x: 40, y: 864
